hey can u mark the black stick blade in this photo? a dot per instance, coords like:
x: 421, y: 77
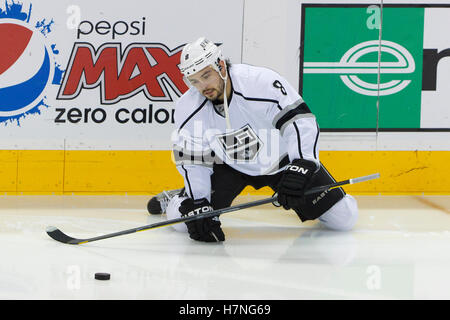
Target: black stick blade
x: 60, y: 236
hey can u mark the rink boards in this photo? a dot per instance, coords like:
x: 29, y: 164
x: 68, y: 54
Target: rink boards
x: 87, y: 96
x: 149, y: 172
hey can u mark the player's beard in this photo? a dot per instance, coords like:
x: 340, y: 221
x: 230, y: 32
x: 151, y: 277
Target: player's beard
x: 218, y: 98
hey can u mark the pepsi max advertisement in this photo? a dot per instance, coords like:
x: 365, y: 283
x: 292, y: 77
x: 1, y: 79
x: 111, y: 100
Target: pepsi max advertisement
x: 92, y: 71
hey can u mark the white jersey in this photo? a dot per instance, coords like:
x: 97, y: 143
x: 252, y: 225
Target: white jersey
x: 271, y: 125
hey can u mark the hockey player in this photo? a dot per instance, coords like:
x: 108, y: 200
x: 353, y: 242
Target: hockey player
x: 241, y: 125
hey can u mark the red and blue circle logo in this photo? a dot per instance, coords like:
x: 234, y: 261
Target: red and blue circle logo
x: 26, y: 69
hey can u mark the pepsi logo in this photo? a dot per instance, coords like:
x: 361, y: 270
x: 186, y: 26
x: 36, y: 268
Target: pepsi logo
x: 26, y: 68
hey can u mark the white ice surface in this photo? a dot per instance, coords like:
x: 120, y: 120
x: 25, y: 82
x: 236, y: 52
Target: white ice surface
x: 399, y: 249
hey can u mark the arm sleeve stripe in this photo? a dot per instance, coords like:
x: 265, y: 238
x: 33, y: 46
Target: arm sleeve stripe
x: 183, y: 156
x: 188, y: 182
x: 298, y: 141
x: 317, y: 139
x: 296, y: 117
x: 193, y: 113
x: 286, y: 115
x: 285, y: 110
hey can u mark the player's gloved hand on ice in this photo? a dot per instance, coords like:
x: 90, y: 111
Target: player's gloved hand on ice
x: 207, y: 229
x: 295, y: 180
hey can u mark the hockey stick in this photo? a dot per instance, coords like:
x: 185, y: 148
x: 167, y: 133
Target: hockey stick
x: 60, y: 236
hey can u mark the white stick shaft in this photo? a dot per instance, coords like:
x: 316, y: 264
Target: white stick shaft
x: 365, y: 178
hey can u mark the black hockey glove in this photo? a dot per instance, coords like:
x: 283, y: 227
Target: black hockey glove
x: 295, y: 180
x: 207, y: 229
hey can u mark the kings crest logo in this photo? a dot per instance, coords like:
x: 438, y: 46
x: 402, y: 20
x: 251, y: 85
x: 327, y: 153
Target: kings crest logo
x: 241, y: 145
x: 27, y: 63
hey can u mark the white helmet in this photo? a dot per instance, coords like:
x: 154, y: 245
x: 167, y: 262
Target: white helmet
x: 198, y: 55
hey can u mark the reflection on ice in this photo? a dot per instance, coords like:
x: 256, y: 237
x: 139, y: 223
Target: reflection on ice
x: 398, y: 250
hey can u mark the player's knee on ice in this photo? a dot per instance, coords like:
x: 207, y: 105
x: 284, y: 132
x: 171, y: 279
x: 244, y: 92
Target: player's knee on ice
x: 342, y: 216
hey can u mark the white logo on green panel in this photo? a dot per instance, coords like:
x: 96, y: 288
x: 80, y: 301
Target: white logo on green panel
x: 350, y: 66
x: 346, y: 66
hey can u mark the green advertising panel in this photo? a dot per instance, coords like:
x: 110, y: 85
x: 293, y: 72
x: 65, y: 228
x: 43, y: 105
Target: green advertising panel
x: 341, y: 66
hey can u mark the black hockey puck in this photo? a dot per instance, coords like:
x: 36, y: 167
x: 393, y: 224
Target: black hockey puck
x: 102, y: 276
